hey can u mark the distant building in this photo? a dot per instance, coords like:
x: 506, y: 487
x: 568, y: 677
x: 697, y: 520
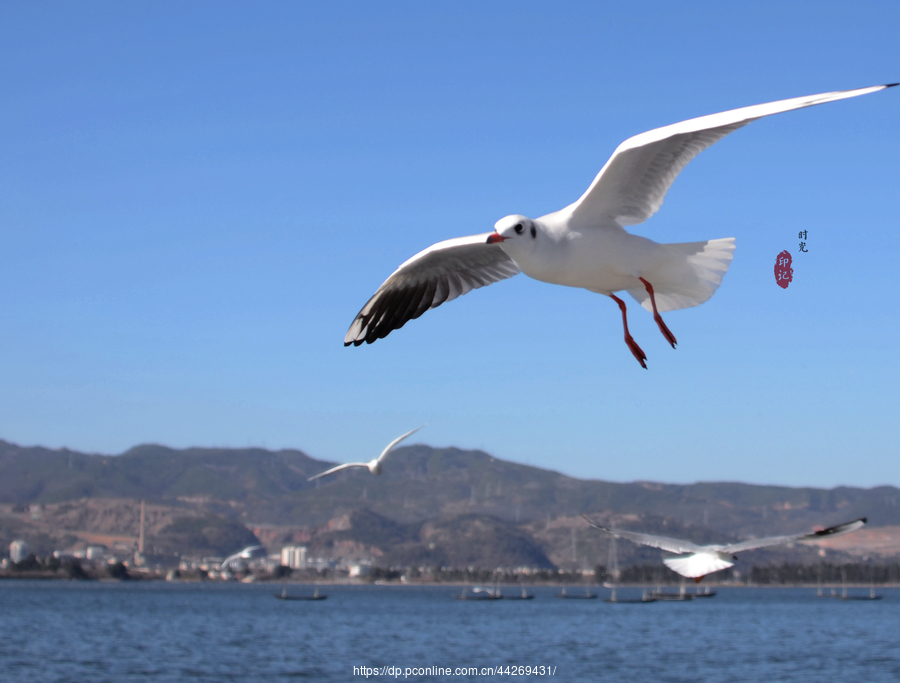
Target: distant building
x: 18, y: 550
x: 209, y: 564
x: 269, y: 564
x: 294, y: 556
x: 321, y: 563
x: 359, y: 569
x: 95, y: 552
x: 148, y: 561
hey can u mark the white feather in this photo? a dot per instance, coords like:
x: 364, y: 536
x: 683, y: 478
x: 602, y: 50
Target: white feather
x: 697, y: 565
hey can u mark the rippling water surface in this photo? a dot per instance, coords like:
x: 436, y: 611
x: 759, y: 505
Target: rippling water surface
x: 73, y: 631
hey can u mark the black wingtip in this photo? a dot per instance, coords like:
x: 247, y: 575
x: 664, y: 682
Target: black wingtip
x: 355, y: 342
x: 865, y: 520
x: 891, y: 85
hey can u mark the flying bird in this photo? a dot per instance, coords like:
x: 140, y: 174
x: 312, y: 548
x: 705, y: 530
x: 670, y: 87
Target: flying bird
x: 706, y: 559
x: 585, y: 244
x: 373, y: 465
x: 242, y: 557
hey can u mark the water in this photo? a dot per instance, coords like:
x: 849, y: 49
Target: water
x: 73, y: 631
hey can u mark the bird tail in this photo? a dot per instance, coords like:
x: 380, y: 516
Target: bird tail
x: 696, y: 566
x: 690, y: 274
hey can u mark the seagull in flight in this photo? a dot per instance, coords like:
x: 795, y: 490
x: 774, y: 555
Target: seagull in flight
x: 706, y: 559
x: 585, y: 244
x: 373, y: 465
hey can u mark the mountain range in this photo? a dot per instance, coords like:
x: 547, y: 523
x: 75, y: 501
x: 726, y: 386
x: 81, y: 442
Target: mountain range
x: 435, y: 506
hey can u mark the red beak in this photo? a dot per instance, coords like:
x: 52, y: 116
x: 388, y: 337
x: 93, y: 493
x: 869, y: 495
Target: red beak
x: 495, y: 238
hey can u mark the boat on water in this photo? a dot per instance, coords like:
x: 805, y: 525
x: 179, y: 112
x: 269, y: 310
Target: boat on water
x: 284, y: 595
x: 614, y: 598
x: 843, y: 595
x: 576, y: 596
x: 669, y: 596
x: 706, y: 593
x: 615, y: 575
x: 871, y: 596
x: 672, y: 596
x: 643, y: 600
x: 524, y: 596
x: 480, y: 593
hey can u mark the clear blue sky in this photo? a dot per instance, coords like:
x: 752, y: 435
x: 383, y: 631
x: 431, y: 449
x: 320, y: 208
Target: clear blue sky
x: 197, y: 198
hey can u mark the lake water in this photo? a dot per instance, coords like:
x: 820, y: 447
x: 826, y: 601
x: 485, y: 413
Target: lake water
x: 87, y: 631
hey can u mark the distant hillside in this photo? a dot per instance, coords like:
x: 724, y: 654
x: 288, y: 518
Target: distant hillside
x: 436, y: 505
x: 459, y: 541
x: 115, y: 523
x: 41, y: 475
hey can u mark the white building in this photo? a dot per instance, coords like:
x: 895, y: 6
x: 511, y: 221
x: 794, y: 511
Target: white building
x: 18, y: 550
x: 359, y: 569
x: 293, y: 556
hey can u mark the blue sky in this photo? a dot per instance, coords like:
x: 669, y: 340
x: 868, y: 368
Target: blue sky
x: 197, y: 198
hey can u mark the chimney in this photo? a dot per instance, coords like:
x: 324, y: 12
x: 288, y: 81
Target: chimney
x: 141, y: 537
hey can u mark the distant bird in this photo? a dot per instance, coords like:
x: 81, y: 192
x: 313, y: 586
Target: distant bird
x: 585, y: 244
x: 706, y: 559
x: 240, y: 558
x: 373, y: 465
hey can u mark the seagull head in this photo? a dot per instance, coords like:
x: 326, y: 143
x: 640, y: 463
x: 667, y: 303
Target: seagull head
x: 513, y: 231
x: 374, y: 466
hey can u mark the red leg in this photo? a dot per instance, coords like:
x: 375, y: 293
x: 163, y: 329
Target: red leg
x: 657, y: 317
x: 636, y: 350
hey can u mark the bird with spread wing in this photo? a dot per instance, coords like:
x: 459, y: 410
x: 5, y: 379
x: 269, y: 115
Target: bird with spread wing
x: 700, y: 560
x: 374, y: 466
x: 585, y: 244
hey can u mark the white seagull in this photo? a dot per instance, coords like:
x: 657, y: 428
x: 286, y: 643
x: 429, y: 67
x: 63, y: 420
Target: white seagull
x: 585, y: 244
x: 706, y: 559
x: 373, y: 465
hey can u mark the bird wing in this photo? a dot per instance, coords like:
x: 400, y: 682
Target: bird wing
x: 673, y: 545
x: 393, y: 443
x: 441, y: 273
x: 345, y: 466
x: 752, y: 544
x: 631, y: 186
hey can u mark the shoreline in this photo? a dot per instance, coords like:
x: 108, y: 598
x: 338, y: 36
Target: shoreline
x: 689, y: 587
